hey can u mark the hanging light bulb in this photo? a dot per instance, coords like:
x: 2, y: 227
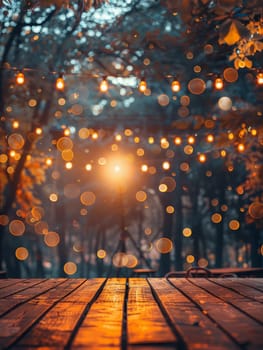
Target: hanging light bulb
x: 175, y: 85
x: 218, y: 83
x: 60, y: 83
x: 260, y: 78
x: 104, y: 86
x: 20, y: 78
x: 142, y: 85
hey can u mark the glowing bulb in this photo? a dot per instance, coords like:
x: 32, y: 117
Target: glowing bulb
x: 60, y: 84
x: 144, y: 168
x: 202, y: 158
x: 104, y: 86
x: 67, y: 132
x: 178, y: 140
x: 166, y: 165
x: 218, y: 84
x: 48, y: 161
x: 260, y: 78
x: 15, y: 124
x: 95, y: 135
x: 38, y: 131
x: 241, y: 147
x: 118, y: 137
x: 88, y: 167
x: 20, y: 78
x: 191, y: 139
x: 175, y: 86
x: 142, y: 85
x: 210, y: 138
x: 68, y: 165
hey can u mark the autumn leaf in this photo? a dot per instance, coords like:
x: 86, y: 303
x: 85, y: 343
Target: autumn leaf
x: 231, y: 32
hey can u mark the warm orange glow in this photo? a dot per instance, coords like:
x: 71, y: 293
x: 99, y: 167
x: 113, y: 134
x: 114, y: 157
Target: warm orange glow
x: 141, y: 196
x: 118, y: 137
x: 187, y: 232
x: 234, y: 225
x: 60, y: 84
x: 210, y: 138
x: 218, y: 84
x: 164, y: 245
x: 142, y: 85
x: 164, y: 143
x: 21, y: 253
x: 68, y: 165
x: 202, y: 158
x: 144, y: 168
x: 53, y: 197
x: 104, y: 86
x: 241, y: 147
x: 175, y: 86
x: 48, y: 161
x: 88, y: 167
x: 191, y: 140
x: 70, y: 268
x: 66, y: 132
x: 166, y: 165
x: 38, y: 131
x: 260, y: 78
x: 101, y: 253
x: 190, y: 259
x: 169, y: 209
x: 17, y: 227
x: 15, y: 124
x: 178, y: 140
x: 216, y: 218
x: 20, y: 78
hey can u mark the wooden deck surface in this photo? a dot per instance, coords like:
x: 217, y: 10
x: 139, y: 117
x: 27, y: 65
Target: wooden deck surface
x: 132, y: 314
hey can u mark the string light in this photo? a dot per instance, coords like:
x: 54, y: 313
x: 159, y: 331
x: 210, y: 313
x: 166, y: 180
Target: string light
x: 15, y: 124
x: 104, y: 86
x: 60, y: 83
x: 260, y: 78
x: 178, y: 140
x: 38, y: 131
x: 175, y: 85
x: 67, y: 132
x: 202, y: 158
x: 191, y: 140
x: 218, y: 83
x: 49, y: 161
x: 142, y: 85
x: 241, y: 147
x: 20, y: 78
x: 210, y: 138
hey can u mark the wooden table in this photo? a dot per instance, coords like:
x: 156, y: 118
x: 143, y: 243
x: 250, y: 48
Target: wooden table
x: 133, y: 314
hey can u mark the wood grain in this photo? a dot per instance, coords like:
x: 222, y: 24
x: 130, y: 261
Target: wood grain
x: 196, y: 330
x: 145, y: 321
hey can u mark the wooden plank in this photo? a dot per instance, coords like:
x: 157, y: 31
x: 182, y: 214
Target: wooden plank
x: 143, y: 310
x: 236, y: 324
x: 24, y: 295
x: 243, y: 289
x: 252, y: 308
x: 56, y: 327
x: 196, y: 330
x: 102, y: 327
x: 19, y: 286
x: 8, y: 282
x: 15, y: 323
x: 256, y: 283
